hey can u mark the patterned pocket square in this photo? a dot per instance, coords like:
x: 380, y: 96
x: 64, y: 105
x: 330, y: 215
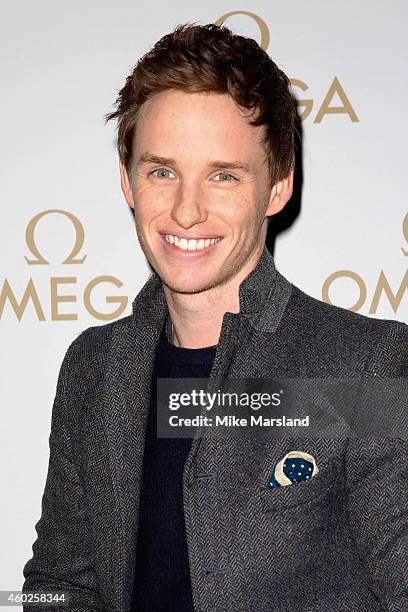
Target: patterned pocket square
x: 294, y: 467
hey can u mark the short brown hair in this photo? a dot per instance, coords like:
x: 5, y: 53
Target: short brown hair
x: 210, y: 58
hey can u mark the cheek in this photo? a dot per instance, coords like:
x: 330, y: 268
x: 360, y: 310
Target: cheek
x: 238, y: 205
x: 151, y: 201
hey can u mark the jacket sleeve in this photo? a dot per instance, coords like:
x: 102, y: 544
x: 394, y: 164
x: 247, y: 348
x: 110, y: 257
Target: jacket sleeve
x: 62, y: 558
x: 377, y: 482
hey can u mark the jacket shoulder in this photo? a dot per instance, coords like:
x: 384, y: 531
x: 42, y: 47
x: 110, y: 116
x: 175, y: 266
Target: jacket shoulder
x: 85, y: 359
x: 351, y: 339
x: 95, y: 340
x: 331, y: 315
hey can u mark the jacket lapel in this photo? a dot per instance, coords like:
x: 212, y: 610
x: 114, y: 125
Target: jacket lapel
x: 127, y: 395
x: 263, y: 294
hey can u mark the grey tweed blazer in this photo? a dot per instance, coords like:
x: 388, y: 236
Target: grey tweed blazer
x: 333, y: 543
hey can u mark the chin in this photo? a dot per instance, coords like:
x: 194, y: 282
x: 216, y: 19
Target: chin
x: 189, y: 286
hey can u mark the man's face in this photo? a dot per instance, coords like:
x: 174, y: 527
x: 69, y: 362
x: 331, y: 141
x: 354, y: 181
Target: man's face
x: 199, y: 172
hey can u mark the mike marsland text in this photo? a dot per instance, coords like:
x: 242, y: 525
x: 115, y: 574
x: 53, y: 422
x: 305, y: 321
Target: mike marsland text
x: 233, y: 421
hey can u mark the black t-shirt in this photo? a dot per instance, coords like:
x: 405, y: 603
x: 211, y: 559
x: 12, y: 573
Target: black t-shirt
x: 162, y: 575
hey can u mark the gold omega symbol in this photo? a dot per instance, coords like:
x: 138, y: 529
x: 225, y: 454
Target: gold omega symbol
x: 405, y: 232
x: 30, y: 240
x: 262, y: 25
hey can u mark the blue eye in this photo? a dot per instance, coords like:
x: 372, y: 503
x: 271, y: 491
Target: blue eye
x: 225, y: 175
x: 161, y: 173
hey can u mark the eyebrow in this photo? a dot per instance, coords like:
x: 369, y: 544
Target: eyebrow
x: 148, y: 158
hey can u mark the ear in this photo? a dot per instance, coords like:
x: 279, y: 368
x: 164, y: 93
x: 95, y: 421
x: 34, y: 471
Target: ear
x: 125, y: 184
x: 281, y: 193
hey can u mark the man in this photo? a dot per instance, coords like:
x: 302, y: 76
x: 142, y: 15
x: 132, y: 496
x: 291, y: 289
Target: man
x: 131, y: 521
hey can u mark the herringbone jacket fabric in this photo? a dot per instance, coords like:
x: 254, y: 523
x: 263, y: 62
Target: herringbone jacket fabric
x: 337, y: 542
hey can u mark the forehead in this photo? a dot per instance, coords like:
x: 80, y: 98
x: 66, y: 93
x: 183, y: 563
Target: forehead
x: 196, y: 121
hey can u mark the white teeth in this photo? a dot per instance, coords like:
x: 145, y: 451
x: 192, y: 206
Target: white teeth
x: 192, y: 244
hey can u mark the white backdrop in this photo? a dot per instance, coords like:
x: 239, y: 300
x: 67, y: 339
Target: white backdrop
x: 61, y: 67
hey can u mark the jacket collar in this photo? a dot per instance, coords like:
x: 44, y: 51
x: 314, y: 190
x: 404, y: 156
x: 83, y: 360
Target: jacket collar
x: 256, y: 287
x: 254, y: 292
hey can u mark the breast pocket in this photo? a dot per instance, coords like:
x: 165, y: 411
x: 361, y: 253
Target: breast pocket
x: 294, y: 533
x: 299, y: 494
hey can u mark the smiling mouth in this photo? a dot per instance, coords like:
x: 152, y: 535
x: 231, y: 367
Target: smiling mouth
x: 191, y: 244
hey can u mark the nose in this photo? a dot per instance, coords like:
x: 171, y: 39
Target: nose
x: 189, y: 206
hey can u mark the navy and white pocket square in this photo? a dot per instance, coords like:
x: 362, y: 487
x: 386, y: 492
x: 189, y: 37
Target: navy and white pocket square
x: 295, y: 466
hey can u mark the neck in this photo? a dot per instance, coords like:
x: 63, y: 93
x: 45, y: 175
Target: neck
x: 196, y: 319
x: 196, y: 323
